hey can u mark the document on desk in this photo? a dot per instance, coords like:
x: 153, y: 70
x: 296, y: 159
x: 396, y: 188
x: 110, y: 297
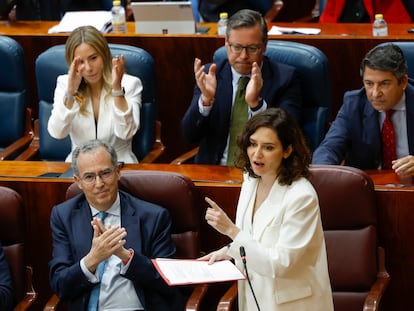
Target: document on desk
x: 276, y: 30
x: 101, y: 20
x: 189, y: 271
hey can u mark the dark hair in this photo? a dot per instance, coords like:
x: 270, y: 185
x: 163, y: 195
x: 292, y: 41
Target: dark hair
x: 89, y: 146
x: 289, y: 133
x: 387, y: 57
x: 247, y: 18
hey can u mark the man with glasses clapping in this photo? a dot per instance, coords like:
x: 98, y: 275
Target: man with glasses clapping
x: 212, y: 121
x: 95, y: 264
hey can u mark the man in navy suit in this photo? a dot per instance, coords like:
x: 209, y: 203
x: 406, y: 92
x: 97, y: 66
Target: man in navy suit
x: 354, y: 138
x: 81, y: 241
x: 208, y: 119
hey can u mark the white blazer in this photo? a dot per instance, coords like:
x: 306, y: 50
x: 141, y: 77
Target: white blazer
x: 285, y: 249
x: 114, y: 126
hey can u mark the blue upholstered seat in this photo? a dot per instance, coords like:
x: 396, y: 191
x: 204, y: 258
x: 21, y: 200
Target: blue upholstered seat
x: 13, y: 97
x: 52, y: 63
x: 313, y: 66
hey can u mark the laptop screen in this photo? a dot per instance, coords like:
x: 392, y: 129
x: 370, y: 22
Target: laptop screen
x: 164, y: 17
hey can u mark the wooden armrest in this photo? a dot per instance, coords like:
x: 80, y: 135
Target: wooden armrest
x: 30, y: 296
x: 185, y: 157
x: 52, y: 304
x: 197, y: 295
x: 377, y: 290
x: 16, y: 146
x: 22, y: 142
x: 229, y: 298
x: 33, y: 148
x: 158, y: 147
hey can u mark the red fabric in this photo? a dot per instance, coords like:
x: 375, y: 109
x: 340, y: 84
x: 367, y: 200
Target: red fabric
x: 389, y: 152
x: 393, y: 11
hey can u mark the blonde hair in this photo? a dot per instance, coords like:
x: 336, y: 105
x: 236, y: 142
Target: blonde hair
x: 90, y: 35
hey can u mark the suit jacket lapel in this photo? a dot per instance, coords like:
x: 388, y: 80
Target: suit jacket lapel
x: 130, y: 223
x: 270, y: 209
x: 409, y: 104
x: 371, y: 131
x: 82, y: 229
x: 267, y: 211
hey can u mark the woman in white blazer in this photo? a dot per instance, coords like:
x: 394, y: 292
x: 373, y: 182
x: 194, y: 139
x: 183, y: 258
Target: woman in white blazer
x: 96, y: 99
x: 278, y: 220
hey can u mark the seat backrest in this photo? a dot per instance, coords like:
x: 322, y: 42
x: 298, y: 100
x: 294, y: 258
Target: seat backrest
x: 13, y: 93
x: 408, y: 49
x: 349, y: 219
x: 172, y: 191
x: 12, y: 226
x: 52, y: 63
x: 313, y: 67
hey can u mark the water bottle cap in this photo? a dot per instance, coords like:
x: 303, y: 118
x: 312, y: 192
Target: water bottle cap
x: 223, y: 15
x: 379, y: 16
x: 116, y: 2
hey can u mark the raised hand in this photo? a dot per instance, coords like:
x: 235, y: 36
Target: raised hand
x: 118, y: 70
x: 219, y: 220
x: 206, y: 82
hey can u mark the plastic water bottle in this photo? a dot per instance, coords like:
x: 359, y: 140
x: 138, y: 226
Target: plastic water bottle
x: 379, y: 27
x: 222, y: 23
x: 118, y: 17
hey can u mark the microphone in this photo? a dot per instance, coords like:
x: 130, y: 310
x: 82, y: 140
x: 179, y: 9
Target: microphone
x: 243, y: 258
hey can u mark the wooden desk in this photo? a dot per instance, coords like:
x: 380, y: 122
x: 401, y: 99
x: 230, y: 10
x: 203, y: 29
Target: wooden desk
x: 344, y: 44
x: 395, y: 199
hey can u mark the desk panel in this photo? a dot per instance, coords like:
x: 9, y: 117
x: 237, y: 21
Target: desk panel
x: 395, y: 199
x: 344, y: 44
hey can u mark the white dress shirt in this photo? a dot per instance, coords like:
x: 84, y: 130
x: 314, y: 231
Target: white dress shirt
x: 117, y: 293
x: 399, y: 120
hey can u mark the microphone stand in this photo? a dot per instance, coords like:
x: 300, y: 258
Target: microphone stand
x: 243, y: 257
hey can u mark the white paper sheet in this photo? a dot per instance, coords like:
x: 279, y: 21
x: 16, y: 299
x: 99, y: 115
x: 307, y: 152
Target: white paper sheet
x: 101, y: 20
x: 188, y: 271
x: 276, y: 30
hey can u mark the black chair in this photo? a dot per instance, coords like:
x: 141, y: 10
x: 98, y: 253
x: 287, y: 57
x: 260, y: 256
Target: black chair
x: 146, y: 143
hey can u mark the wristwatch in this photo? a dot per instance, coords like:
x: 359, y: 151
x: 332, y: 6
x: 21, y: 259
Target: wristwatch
x: 118, y: 93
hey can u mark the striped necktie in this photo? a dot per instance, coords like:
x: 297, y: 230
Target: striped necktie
x: 238, y: 118
x: 94, y: 297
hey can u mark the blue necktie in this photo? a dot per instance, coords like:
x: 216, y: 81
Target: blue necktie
x: 93, y: 299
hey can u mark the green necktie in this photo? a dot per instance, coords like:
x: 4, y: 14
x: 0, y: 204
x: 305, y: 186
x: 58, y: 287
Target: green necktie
x: 238, y: 118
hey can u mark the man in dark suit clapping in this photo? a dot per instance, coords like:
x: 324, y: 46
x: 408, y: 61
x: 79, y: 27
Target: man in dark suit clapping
x: 209, y: 119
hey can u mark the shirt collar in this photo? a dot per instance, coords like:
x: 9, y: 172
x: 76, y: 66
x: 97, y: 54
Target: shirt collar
x: 114, y: 210
x: 401, y: 104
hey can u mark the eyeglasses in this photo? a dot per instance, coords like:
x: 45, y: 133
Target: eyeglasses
x: 250, y: 49
x: 106, y: 174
